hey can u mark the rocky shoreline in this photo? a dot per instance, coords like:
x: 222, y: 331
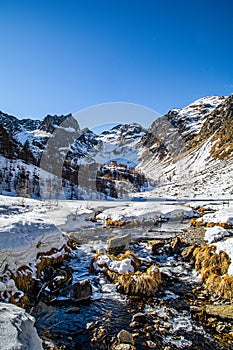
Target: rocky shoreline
x: 213, y: 313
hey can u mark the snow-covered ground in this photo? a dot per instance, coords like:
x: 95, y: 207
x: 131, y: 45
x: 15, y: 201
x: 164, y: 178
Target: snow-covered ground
x: 30, y: 226
x: 140, y: 212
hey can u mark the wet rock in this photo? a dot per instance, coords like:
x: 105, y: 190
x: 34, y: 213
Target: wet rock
x: 125, y: 337
x: 220, y: 311
x: 118, y: 244
x: 73, y: 310
x: 135, y: 335
x: 139, y: 318
x: 176, y: 245
x: 90, y: 325
x: 221, y: 328
x: 133, y: 324
x: 150, y: 344
x: 41, y: 308
x: 156, y: 245
x: 98, y: 334
x: 81, y: 290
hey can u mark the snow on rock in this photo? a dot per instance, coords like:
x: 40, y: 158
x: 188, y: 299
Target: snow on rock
x: 224, y: 214
x: 216, y: 233
x: 194, y: 114
x: 17, y: 329
x: 123, y: 266
x: 25, y: 231
x: 119, y: 266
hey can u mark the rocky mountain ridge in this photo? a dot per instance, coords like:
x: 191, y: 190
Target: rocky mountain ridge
x: 182, y: 146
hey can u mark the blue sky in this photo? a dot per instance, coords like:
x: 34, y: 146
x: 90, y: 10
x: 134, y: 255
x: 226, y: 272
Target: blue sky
x: 62, y: 56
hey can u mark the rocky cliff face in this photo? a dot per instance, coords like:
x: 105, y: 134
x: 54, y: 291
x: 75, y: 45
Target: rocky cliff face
x: 218, y: 126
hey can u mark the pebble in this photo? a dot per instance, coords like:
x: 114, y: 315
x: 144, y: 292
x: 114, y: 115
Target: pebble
x: 150, y: 344
x: 125, y: 337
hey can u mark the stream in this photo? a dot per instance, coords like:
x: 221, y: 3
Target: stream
x: 169, y: 324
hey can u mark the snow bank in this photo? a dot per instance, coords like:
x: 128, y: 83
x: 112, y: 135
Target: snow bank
x: 214, y: 234
x: 224, y: 214
x: 17, y: 329
x: 25, y: 231
x: 227, y: 246
x: 145, y: 212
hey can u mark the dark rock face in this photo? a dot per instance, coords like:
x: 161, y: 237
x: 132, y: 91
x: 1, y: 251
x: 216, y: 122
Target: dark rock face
x: 180, y: 130
x: 50, y: 122
x: 9, y: 147
x: 81, y: 290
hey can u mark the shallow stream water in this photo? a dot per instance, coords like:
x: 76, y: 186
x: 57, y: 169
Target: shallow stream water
x: 168, y: 312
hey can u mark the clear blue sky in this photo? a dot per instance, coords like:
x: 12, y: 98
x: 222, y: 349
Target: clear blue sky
x: 61, y: 56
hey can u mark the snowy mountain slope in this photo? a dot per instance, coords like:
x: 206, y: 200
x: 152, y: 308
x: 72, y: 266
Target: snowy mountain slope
x: 189, y: 152
x: 34, y: 134
x: 190, y: 119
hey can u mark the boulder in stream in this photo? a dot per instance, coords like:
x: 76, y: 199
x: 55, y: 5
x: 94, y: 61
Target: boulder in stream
x: 81, y: 290
x: 118, y: 244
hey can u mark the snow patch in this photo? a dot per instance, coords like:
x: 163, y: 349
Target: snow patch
x: 214, y: 234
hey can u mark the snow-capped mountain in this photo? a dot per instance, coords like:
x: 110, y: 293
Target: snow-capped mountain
x: 185, y: 152
x: 188, y: 152
x: 122, y: 134
x: 121, y: 143
x: 34, y: 134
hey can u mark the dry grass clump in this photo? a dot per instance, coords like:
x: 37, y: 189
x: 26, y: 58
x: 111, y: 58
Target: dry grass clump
x: 144, y: 284
x: 51, y: 258
x: 202, y: 209
x: 116, y: 223
x: 220, y: 286
x: 132, y: 283
x: 23, y: 278
x: 193, y: 222
x: 197, y: 223
x: 202, y: 256
x: 213, y: 268
x: 208, y: 262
